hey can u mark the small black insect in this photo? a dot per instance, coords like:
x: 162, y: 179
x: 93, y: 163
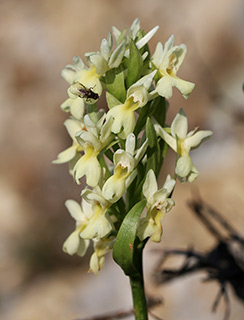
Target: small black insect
x: 84, y: 92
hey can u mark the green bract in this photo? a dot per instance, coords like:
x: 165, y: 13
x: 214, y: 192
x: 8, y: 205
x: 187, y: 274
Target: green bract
x: 120, y: 152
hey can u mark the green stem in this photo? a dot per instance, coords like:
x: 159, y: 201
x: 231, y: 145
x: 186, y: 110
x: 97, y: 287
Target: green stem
x: 139, y: 298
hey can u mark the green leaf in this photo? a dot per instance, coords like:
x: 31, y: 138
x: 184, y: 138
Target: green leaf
x: 158, y: 110
x: 111, y: 100
x: 162, y: 148
x: 92, y: 111
x: 135, y: 64
x: 150, y: 133
x: 115, y: 83
x: 152, y: 159
x: 153, y: 150
x: 125, y: 251
x: 141, y: 121
x: 109, y: 154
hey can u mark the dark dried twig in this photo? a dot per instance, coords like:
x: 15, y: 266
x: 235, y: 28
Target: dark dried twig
x: 111, y: 316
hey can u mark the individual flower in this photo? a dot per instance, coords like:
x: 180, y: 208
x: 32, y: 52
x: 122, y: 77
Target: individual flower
x: 168, y: 60
x: 124, y: 163
x: 107, y: 59
x: 92, y: 139
x: 73, y: 126
x: 86, y: 76
x: 123, y: 114
x: 101, y: 247
x: 81, y: 213
x: 158, y: 203
x: 182, y: 142
x: 100, y: 223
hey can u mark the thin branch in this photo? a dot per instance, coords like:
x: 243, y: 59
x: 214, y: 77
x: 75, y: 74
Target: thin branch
x: 111, y: 316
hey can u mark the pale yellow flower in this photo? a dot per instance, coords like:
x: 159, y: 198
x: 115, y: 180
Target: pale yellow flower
x: 158, y: 203
x: 88, y: 77
x: 92, y: 139
x: 123, y: 114
x: 125, y: 161
x: 182, y: 142
x: 100, y: 223
x: 81, y: 213
x: 168, y: 60
x: 101, y: 247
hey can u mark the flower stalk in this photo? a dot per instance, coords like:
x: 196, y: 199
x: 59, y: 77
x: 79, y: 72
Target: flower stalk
x: 139, y: 298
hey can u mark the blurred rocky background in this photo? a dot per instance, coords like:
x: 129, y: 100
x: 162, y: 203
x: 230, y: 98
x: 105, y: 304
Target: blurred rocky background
x: 37, y: 39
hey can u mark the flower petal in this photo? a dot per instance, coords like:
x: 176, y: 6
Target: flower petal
x: 77, y: 107
x: 193, y: 174
x: 147, y: 37
x: 105, y: 134
x: 169, y: 184
x: 184, y: 166
x: 84, y: 244
x: 178, y: 54
x: 141, y: 151
x: 195, y: 140
x: 124, y: 120
x: 130, y: 143
x: 72, y: 243
x: 66, y: 155
x: 85, y: 138
x: 166, y: 137
x: 145, y: 81
x: 150, y: 185
x: 185, y: 87
x: 179, y: 125
x: 164, y: 86
x: 105, y: 49
x: 145, y: 228
x: 96, y: 263
x: 169, y: 43
x: 113, y: 189
x: 72, y: 126
x: 100, y: 63
x: 99, y: 225
x: 68, y: 74
x: 94, y: 196
x: 74, y: 209
x: 78, y: 63
x: 117, y: 56
x: 90, y: 167
x: 148, y: 228
x: 158, y: 55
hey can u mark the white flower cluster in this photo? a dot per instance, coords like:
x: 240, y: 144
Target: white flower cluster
x: 114, y: 149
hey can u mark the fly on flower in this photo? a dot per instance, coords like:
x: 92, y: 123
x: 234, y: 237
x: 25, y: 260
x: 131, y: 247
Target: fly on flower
x: 81, y: 91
